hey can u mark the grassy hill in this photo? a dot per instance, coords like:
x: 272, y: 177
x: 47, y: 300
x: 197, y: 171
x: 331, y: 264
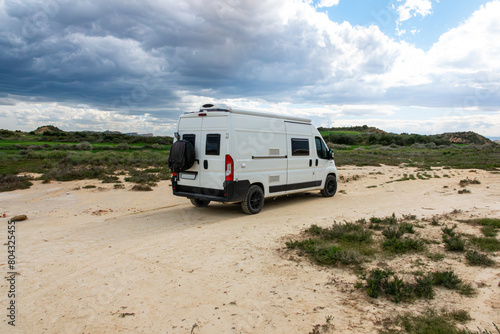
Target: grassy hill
x: 364, y: 135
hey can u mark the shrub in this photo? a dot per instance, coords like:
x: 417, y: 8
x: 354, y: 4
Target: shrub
x: 84, y: 146
x: 123, y: 146
x: 403, y: 246
x: 149, y: 179
x: 430, y: 322
x: 475, y: 258
x: 110, y: 179
x: 10, y: 182
x: 446, y: 278
x: 486, y: 243
x: 75, y: 173
x: 454, y: 244
x: 141, y: 187
x: 348, y: 232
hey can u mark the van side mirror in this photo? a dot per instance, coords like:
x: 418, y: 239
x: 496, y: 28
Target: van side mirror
x: 331, y: 154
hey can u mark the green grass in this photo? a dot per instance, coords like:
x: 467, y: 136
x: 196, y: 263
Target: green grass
x: 385, y: 282
x: 486, y: 244
x: 490, y: 225
x: 403, y: 246
x: 340, y: 132
x: 454, y: 244
x: 475, y: 258
x: 344, y: 244
x: 455, y: 157
x: 430, y: 321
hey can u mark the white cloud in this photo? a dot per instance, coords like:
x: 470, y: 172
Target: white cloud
x: 412, y: 8
x: 328, y: 3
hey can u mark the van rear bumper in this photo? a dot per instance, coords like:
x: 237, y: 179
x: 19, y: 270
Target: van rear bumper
x: 234, y: 191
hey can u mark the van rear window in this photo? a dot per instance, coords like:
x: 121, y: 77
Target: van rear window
x: 190, y: 138
x: 213, y: 144
x: 300, y: 147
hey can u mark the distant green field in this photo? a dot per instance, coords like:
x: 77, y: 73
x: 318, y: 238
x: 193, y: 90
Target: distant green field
x: 4, y: 143
x: 326, y: 133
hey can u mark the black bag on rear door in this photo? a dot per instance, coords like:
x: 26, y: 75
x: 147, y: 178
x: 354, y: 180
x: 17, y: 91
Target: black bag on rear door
x: 181, y: 156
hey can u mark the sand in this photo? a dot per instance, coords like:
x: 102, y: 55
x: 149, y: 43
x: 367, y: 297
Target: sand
x: 106, y: 260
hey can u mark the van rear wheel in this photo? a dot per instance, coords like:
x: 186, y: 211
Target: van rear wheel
x: 330, y: 186
x: 199, y: 202
x: 254, y: 200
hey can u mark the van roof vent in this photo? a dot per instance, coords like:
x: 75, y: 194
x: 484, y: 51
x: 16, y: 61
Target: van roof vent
x: 214, y: 107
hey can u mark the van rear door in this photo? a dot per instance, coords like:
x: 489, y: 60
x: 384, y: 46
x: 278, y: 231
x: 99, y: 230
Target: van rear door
x: 212, y: 153
x: 190, y: 130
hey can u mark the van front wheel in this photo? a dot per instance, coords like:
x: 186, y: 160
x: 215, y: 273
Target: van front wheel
x: 199, y: 202
x: 330, y: 186
x: 254, y: 200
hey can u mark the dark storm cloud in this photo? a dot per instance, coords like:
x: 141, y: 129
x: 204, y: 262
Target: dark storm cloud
x: 103, y: 53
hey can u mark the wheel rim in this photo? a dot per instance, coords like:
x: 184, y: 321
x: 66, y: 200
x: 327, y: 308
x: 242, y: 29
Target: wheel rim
x: 330, y: 187
x: 255, y: 200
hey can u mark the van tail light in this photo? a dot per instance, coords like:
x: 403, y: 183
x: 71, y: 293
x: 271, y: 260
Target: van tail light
x: 229, y: 168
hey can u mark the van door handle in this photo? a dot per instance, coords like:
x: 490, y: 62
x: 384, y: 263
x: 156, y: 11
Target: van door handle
x: 310, y: 162
x: 205, y: 164
x: 316, y: 162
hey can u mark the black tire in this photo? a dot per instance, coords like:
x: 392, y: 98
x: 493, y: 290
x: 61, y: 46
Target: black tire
x: 254, y: 200
x: 199, y: 202
x: 330, y: 186
x: 182, y: 156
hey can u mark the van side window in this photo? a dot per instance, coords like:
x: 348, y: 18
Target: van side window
x: 213, y: 144
x: 300, y: 147
x: 321, y: 149
x: 190, y: 138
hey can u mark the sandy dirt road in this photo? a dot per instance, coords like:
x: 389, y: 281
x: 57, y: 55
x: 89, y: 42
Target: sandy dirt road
x: 117, y: 261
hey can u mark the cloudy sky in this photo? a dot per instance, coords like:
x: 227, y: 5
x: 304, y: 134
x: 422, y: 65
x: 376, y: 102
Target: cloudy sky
x: 416, y: 66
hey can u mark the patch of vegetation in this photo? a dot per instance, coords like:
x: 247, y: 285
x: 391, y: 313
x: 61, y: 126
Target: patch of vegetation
x: 149, y: 179
x: 452, y: 240
x: 464, y: 191
x: 142, y: 187
x: 475, y: 258
x: 467, y: 181
x: 386, y: 282
x: 339, y: 244
x: 436, y: 257
x: 75, y: 173
x: 486, y: 243
x: 462, y: 157
x: 403, y: 246
x: 13, y: 182
x: 490, y: 225
x: 110, y: 179
x: 325, y: 253
x: 379, y: 223
x: 429, y: 322
x: 454, y: 244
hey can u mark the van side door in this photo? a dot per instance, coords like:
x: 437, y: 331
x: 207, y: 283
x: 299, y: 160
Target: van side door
x: 300, y: 156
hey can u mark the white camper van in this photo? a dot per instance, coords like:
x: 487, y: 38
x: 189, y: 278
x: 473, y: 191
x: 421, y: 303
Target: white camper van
x: 227, y: 155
